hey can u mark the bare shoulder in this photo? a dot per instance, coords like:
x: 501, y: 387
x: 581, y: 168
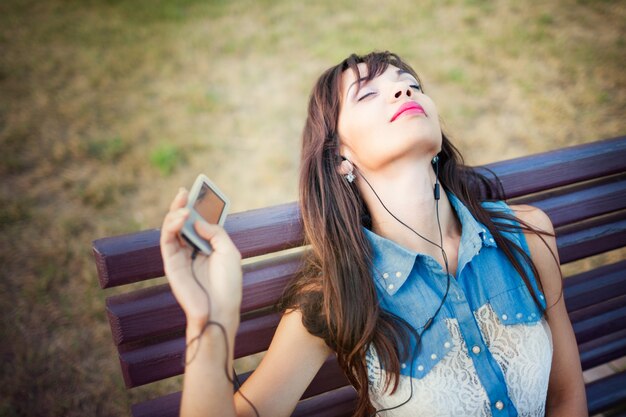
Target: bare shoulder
x: 534, y: 217
x: 543, y: 248
x: 566, y: 389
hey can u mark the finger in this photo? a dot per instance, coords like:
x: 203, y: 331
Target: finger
x: 170, y: 230
x: 180, y: 200
x: 174, y: 221
x: 216, y: 235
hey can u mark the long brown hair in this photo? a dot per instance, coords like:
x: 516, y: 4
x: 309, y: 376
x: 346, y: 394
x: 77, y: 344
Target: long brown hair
x: 335, y: 291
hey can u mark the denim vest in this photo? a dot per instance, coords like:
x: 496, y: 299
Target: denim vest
x: 412, y: 285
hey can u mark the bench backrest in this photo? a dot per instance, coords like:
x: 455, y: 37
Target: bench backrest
x: 581, y: 188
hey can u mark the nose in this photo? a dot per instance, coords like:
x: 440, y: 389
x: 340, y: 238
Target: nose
x: 399, y: 92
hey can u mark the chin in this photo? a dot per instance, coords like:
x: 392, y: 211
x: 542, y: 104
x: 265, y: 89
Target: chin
x: 428, y: 142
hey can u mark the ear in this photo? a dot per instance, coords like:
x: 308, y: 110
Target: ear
x: 345, y: 167
x: 345, y: 151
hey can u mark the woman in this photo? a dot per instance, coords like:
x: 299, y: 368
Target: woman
x: 433, y: 302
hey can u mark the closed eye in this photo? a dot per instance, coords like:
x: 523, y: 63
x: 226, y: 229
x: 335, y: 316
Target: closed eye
x: 365, y: 96
x: 416, y: 87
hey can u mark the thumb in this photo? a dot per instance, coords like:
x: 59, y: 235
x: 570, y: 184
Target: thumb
x: 216, y: 235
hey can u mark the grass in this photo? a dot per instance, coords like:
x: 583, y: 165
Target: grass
x: 166, y: 157
x: 106, y: 149
x: 107, y: 107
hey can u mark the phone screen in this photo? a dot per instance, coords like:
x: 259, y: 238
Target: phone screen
x: 209, y: 205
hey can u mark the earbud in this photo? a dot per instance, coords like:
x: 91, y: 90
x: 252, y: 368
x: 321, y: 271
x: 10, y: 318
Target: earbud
x: 347, y: 169
x: 436, y: 190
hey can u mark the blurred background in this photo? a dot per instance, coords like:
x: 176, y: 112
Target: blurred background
x: 107, y: 107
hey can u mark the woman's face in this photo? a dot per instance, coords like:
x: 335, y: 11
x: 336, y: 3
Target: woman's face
x: 387, y: 119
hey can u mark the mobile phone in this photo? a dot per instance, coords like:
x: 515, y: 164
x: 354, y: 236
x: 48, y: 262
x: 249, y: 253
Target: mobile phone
x: 208, y: 203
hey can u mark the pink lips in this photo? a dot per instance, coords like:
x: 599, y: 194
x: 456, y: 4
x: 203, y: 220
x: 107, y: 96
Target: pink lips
x: 410, y: 107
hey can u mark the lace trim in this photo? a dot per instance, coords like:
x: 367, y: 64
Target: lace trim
x: 452, y: 387
x: 524, y: 353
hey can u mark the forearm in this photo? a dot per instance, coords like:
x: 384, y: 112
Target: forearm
x: 207, y: 390
x: 569, y: 400
x: 567, y: 409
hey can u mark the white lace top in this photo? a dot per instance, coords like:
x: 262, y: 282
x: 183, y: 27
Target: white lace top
x: 452, y: 388
x: 488, y: 351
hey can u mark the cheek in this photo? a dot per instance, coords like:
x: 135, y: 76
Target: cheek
x: 354, y: 130
x: 357, y: 127
x: 431, y: 110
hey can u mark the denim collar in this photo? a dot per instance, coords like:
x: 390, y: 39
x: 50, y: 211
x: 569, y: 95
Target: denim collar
x: 392, y: 263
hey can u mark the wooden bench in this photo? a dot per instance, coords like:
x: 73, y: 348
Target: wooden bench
x: 582, y: 188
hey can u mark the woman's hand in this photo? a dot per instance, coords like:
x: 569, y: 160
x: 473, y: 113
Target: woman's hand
x: 218, y: 274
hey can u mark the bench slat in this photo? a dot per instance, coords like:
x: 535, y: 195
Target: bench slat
x: 128, y: 258
x: 583, y: 290
x: 603, y: 349
x: 601, y: 236
x: 539, y: 172
x: 265, y: 281
x: 591, y: 201
x: 165, y: 406
x: 135, y: 257
x: 255, y: 335
x: 154, y: 311
x: 601, y: 395
x: 337, y: 403
x: 154, y: 361
x: 169, y: 405
x: 145, y: 313
x: 329, y: 377
x: 608, y: 304
x: 602, y: 324
x: 606, y: 393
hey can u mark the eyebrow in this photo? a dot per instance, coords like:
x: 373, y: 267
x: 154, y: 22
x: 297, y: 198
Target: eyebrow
x: 354, y: 82
x: 399, y: 72
x: 402, y: 72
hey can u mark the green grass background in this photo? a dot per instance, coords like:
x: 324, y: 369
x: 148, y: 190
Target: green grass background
x: 107, y: 107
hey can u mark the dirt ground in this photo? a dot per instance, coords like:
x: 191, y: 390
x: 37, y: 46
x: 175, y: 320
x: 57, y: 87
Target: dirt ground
x: 107, y: 107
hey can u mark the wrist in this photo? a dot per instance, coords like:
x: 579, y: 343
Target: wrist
x: 197, y: 325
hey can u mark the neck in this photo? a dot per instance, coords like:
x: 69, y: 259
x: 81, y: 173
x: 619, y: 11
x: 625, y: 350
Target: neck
x: 407, y: 192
